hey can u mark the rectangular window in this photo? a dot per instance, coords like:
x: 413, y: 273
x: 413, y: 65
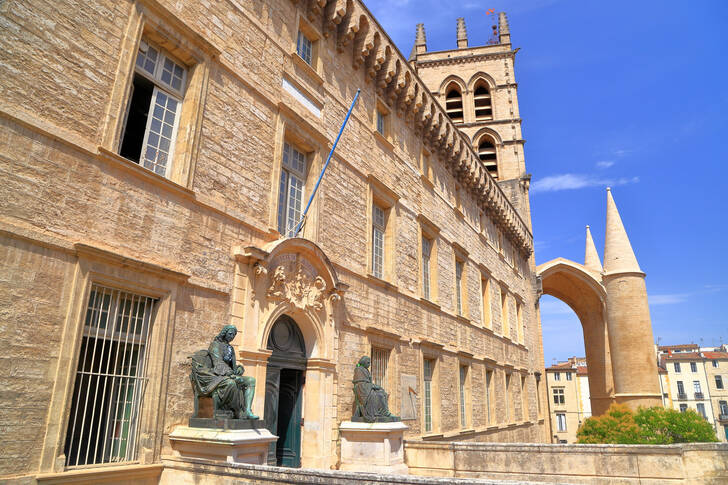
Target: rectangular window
x: 683, y: 408
x: 103, y: 426
x: 428, y: 368
x: 304, y: 47
x: 519, y: 319
x: 696, y: 387
x: 680, y: 388
x: 463, y: 407
x: 292, y: 184
x: 723, y: 405
x: 677, y: 366
x: 561, y: 421
x: 378, y: 228
x: 538, y: 394
x: 488, y: 380
x: 693, y: 367
x: 725, y: 430
x: 524, y: 399
x: 701, y: 410
x: 459, y: 267
x: 380, y: 358
x: 715, y: 363
x: 507, y: 396
x: 718, y: 382
x: 504, y: 314
x: 152, y: 117
x: 568, y: 376
x: 559, y: 396
x: 557, y: 376
x: 426, y: 253
x: 381, y: 123
x: 485, y: 296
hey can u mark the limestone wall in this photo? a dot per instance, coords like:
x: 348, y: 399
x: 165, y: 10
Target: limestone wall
x: 697, y: 463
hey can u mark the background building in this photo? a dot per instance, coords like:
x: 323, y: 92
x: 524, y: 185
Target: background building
x: 569, y: 400
x: 697, y: 380
x: 156, y: 157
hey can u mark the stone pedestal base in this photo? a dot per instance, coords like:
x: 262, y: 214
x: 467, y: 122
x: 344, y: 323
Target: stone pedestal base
x: 373, y: 447
x: 227, y: 445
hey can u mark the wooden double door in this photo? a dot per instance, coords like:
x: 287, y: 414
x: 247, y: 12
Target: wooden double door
x: 285, y: 377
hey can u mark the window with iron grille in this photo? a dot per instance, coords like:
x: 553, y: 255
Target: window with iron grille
x: 559, y: 396
x: 378, y: 228
x: 380, y: 358
x: 428, y: 367
x: 426, y: 253
x: 292, y: 184
x: 696, y: 387
x: 103, y: 426
x: 153, y: 111
x: 304, y: 47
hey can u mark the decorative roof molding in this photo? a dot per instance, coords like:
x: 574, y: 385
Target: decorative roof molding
x: 466, y: 59
x: 353, y: 27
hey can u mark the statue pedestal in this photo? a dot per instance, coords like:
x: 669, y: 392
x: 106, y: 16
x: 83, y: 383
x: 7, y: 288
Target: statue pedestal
x: 373, y: 447
x: 229, y: 445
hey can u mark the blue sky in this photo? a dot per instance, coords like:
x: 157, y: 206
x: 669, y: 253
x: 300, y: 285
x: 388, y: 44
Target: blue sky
x: 627, y: 94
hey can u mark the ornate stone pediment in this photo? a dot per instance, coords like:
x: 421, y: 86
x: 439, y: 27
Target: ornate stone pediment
x: 294, y: 280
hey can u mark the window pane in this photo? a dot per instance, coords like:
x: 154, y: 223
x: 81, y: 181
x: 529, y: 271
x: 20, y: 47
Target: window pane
x: 377, y: 252
x: 463, y: 375
x: 157, y: 154
x: 304, y: 47
x: 458, y: 286
x: 295, y: 202
x: 427, y: 370
x: 110, y: 378
x: 426, y: 248
x: 282, y: 198
x: 147, y: 58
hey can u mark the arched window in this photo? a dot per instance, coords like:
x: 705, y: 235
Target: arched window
x: 483, y: 105
x: 487, y: 153
x: 454, y: 103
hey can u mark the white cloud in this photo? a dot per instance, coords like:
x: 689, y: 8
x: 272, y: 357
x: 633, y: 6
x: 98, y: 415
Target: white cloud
x: 605, y: 163
x: 669, y: 299
x: 570, y: 181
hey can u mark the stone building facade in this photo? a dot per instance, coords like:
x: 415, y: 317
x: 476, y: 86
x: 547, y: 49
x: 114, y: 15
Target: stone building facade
x: 155, y: 156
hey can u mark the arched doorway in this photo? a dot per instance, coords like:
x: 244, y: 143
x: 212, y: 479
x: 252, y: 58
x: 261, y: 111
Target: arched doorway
x: 285, y: 375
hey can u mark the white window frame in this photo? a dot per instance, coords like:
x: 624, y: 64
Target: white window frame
x: 292, y: 157
x: 159, y: 85
x: 561, y: 422
x: 304, y: 47
x: 379, y: 234
x: 558, y: 396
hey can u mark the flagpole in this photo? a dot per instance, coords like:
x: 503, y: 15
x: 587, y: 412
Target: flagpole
x: 321, y: 175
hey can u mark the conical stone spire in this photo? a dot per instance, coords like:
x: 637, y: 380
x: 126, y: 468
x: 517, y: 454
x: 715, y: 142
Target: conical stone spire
x: 420, y: 40
x: 591, y: 258
x: 504, y: 31
x: 618, y: 254
x: 462, y: 34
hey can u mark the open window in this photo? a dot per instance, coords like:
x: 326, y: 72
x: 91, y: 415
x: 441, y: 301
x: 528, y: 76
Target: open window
x: 488, y: 155
x: 482, y: 102
x: 454, y: 103
x: 153, y: 112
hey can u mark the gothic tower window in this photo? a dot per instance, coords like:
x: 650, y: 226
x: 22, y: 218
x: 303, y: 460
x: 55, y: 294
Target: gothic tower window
x: 454, y: 103
x: 483, y: 106
x: 487, y: 154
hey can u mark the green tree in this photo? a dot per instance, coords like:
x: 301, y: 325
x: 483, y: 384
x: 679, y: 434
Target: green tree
x: 649, y: 426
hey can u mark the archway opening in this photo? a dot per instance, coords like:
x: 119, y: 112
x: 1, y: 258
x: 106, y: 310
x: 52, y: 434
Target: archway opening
x: 488, y: 155
x: 454, y: 103
x: 285, y: 377
x: 482, y: 102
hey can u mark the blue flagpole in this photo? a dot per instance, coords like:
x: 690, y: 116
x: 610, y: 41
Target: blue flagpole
x: 321, y: 175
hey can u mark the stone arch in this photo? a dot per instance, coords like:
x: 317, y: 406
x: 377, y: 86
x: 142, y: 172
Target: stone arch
x: 486, y: 143
x: 452, y: 78
x: 582, y: 290
x: 480, y: 75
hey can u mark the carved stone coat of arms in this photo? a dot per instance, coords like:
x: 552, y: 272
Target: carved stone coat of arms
x: 298, y: 285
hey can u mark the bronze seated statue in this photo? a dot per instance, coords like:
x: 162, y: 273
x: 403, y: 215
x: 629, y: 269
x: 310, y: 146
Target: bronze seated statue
x: 370, y: 400
x: 215, y: 374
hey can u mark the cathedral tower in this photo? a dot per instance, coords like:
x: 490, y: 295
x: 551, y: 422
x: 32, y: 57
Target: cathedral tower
x: 477, y: 88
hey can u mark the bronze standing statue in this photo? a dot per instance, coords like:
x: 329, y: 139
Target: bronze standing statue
x: 370, y: 400
x: 215, y: 374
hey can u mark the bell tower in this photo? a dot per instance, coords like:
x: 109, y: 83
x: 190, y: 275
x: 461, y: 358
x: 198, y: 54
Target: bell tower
x: 477, y: 87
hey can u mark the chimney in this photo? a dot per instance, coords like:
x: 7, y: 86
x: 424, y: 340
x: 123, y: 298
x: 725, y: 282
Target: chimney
x: 462, y: 34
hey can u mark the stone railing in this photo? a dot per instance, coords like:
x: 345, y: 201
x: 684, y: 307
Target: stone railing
x: 355, y: 30
x: 704, y: 463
